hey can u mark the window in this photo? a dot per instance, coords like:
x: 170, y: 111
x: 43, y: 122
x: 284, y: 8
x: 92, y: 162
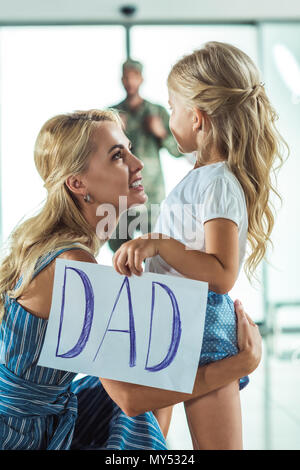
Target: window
x: 46, y: 71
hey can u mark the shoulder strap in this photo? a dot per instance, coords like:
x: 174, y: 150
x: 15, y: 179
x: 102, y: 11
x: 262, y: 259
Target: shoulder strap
x: 46, y: 259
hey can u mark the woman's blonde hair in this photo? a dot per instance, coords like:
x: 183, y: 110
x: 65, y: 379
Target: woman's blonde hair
x: 223, y: 82
x: 62, y: 149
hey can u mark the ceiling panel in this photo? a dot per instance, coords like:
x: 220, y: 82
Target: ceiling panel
x: 91, y: 11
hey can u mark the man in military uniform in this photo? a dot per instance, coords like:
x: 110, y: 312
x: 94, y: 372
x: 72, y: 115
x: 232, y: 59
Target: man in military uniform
x: 147, y: 127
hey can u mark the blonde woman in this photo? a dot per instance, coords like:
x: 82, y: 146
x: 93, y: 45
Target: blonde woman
x: 85, y: 160
x: 220, y: 110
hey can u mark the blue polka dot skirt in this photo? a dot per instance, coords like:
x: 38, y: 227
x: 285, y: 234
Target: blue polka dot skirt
x: 220, y: 333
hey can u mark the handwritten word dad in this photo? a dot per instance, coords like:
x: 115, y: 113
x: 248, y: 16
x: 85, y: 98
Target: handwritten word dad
x: 146, y: 330
x: 89, y: 315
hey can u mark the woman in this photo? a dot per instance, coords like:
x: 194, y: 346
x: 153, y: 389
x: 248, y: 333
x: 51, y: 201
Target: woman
x: 85, y: 160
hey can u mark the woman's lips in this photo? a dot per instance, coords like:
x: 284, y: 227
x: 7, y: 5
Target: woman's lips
x: 138, y: 188
x: 136, y: 185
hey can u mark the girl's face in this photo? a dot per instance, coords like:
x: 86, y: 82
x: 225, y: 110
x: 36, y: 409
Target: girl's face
x: 113, y: 168
x: 182, y: 123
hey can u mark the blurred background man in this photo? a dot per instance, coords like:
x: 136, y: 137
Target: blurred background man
x: 147, y: 127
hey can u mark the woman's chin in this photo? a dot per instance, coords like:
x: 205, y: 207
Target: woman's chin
x: 141, y: 198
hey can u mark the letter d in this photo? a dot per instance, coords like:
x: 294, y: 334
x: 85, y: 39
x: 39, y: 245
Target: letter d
x: 176, y: 331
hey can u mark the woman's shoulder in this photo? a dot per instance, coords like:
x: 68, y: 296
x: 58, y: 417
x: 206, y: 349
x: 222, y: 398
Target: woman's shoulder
x: 37, y: 298
x: 78, y: 254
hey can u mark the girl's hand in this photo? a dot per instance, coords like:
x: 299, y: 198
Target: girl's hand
x: 249, y: 338
x: 129, y: 257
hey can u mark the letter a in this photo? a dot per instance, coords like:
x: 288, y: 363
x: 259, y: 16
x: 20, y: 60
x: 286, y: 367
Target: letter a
x: 88, y: 317
x: 176, y: 331
x: 130, y: 331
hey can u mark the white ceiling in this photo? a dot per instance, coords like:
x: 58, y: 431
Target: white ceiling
x: 68, y: 11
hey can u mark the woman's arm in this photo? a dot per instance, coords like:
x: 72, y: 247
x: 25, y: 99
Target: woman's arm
x: 218, y: 265
x: 136, y: 399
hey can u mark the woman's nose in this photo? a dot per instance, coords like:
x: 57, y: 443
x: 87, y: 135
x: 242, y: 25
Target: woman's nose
x: 135, y: 163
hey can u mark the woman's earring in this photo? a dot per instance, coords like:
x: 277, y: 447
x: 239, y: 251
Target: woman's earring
x: 87, y: 198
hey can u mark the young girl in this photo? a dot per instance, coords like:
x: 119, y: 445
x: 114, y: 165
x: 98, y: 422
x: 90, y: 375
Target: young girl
x: 220, y: 111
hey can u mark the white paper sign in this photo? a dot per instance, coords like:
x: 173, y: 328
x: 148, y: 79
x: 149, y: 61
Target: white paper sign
x: 146, y: 330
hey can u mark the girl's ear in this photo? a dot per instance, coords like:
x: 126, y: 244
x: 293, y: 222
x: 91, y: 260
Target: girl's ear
x: 76, y: 185
x: 197, y: 119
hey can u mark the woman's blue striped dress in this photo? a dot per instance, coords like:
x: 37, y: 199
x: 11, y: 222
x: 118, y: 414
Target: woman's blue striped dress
x: 42, y: 408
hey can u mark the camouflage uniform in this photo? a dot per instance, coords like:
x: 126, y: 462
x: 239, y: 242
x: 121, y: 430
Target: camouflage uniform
x: 146, y: 147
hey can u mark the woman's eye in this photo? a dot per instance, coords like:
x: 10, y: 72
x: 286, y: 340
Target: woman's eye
x: 117, y: 156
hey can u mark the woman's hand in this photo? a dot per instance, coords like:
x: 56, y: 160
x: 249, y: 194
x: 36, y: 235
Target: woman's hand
x: 129, y: 257
x: 249, y: 338
x: 135, y: 399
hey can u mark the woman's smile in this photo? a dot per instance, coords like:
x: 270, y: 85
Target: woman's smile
x: 137, y: 185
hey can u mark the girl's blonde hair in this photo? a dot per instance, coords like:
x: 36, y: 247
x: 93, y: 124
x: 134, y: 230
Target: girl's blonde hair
x: 62, y: 149
x: 223, y: 82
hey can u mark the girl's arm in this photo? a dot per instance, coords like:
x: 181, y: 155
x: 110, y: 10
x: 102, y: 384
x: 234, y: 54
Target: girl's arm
x: 136, y: 399
x: 218, y: 265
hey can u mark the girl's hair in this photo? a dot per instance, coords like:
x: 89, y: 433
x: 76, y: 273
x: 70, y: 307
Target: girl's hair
x: 62, y: 149
x: 223, y: 82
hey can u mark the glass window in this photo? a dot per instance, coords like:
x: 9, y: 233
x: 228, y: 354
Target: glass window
x: 281, y: 61
x: 159, y: 47
x: 46, y: 71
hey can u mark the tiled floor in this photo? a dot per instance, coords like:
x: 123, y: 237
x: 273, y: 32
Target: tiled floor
x: 270, y: 403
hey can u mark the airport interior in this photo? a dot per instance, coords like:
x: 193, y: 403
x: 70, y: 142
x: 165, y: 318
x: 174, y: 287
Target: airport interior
x: 59, y: 56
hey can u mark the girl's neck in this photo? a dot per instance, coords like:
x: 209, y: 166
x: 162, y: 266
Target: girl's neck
x: 211, y: 161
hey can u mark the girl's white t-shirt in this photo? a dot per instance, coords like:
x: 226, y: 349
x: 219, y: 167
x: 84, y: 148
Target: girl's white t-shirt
x: 205, y: 193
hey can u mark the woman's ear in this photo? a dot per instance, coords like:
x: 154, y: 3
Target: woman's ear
x: 198, y: 119
x: 76, y: 185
